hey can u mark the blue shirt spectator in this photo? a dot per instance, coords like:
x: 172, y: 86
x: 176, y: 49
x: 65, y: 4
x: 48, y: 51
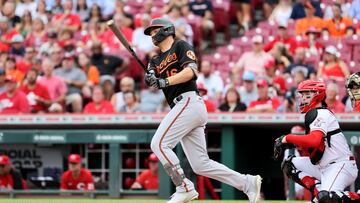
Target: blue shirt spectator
x: 298, y: 11
x: 355, y: 9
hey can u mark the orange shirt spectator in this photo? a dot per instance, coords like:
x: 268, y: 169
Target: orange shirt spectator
x: 302, y: 25
x: 98, y: 105
x: 11, y: 70
x: 76, y: 178
x: 92, y: 72
x: 338, y: 25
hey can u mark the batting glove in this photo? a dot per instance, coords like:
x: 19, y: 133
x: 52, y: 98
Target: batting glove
x: 162, y: 83
x: 150, y: 78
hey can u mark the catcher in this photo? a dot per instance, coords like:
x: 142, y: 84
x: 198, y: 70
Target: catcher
x: 353, y: 89
x: 327, y: 165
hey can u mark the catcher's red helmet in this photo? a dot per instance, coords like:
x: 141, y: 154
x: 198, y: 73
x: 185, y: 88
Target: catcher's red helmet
x: 318, y: 87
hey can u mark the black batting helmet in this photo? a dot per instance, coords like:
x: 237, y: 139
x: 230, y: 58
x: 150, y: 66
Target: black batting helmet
x: 167, y: 29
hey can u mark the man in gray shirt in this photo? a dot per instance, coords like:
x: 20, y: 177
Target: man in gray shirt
x: 75, y: 79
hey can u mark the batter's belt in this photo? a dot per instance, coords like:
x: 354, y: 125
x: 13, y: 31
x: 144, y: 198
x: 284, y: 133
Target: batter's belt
x: 182, y: 96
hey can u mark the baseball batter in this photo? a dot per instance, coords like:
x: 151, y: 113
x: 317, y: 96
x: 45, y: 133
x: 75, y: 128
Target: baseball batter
x: 353, y: 88
x: 175, y: 71
x: 329, y: 166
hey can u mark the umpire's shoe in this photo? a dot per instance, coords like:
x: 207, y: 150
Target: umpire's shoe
x: 183, y: 197
x: 253, y: 191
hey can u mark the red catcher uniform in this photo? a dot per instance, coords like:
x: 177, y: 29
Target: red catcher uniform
x: 39, y: 91
x: 148, y: 180
x: 16, y: 104
x: 84, y: 182
x: 105, y: 107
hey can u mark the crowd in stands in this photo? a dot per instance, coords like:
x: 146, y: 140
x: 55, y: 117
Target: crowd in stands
x: 60, y: 57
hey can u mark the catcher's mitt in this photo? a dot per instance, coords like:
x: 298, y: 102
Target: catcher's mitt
x: 279, y: 149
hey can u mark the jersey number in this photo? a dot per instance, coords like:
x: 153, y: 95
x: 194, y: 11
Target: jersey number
x: 171, y: 72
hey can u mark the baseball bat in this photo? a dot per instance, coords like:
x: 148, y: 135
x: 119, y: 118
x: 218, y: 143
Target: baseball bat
x: 123, y: 41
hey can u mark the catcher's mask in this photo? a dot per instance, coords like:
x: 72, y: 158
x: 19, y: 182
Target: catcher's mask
x: 167, y: 28
x: 353, y: 89
x: 310, y: 93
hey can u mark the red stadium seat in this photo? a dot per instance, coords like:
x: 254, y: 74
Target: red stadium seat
x: 244, y: 43
x: 221, y: 17
x: 230, y: 50
x: 354, y: 66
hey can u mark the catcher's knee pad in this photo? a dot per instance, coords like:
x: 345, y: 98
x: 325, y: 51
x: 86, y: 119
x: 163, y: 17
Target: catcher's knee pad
x: 175, y: 172
x: 288, y: 167
x: 328, y: 197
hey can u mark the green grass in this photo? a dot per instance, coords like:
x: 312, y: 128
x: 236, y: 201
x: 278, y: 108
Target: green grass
x: 118, y: 201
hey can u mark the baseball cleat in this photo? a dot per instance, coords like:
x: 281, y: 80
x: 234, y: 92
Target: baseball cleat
x: 183, y: 197
x: 253, y: 192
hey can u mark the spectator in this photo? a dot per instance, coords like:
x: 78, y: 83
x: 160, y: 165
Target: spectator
x: 281, y: 13
x: 281, y: 56
x: 107, y: 65
x: 91, y: 35
x: 248, y: 91
x: 2, y: 81
x: 355, y: 9
x: 141, y: 41
x: 130, y: 103
x: 204, y: 9
x: 310, y: 42
x: 11, y: 70
x: 127, y: 84
x: 264, y: 104
x: 56, y: 55
x: 38, y: 95
x: 210, y: 105
x: 37, y: 36
x: 95, y: 14
x: 98, y: 105
x: 8, y: 10
x: 243, y: 14
x: 25, y: 64
x: 232, y: 102
x: 289, y: 104
x: 338, y: 25
x: 92, y: 73
x: 7, y: 32
x: 83, y: 9
x: 26, y: 23
x: 124, y: 24
x: 148, y: 179
x: 253, y: 60
x: 332, y: 66
x: 17, y: 45
x: 212, y: 81
x: 332, y: 99
x: 41, y: 11
x: 282, y: 37
x: 75, y: 79
x: 276, y: 80
x: 300, y: 65
x: 150, y: 99
x: 25, y: 5
x: 77, y: 177
x: 47, y: 49
x: 67, y: 19
x: 302, y: 25
x: 108, y: 84
x: 56, y: 6
x: 13, y: 100
x: 10, y: 179
x: 182, y: 28
x: 55, y: 85
x: 358, y: 29
x: 299, y: 12
x: 345, y: 9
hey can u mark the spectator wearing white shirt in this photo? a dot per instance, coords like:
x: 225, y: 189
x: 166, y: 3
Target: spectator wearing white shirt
x: 140, y: 41
x: 212, y: 81
x: 24, y: 5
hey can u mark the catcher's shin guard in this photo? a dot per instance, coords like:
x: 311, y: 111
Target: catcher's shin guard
x: 294, y: 174
x: 328, y: 197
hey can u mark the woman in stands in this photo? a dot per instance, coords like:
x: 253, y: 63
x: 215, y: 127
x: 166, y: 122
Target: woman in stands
x: 332, y: 66
x: 232, y: 102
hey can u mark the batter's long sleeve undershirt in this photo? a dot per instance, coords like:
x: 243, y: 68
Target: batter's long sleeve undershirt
x: 313, y: 139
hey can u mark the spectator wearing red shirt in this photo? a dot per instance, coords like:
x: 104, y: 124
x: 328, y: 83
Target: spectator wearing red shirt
x: 6, y: 31
x: 148, y: 179
x: 332, y: 98
x: 25, y: 64
x: 98, y: 105
x: 77, y: 177
x: 274, y: 78
x: 67, y: 19
x: 37, y: 94
x: 13, y: 100
x: 332, y: 66
x: 210, y: 105
x: 282, y: 37
x: 111, y: 40
x: 264, y: 104
x: 10, y: 179
x: 310, y: 42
